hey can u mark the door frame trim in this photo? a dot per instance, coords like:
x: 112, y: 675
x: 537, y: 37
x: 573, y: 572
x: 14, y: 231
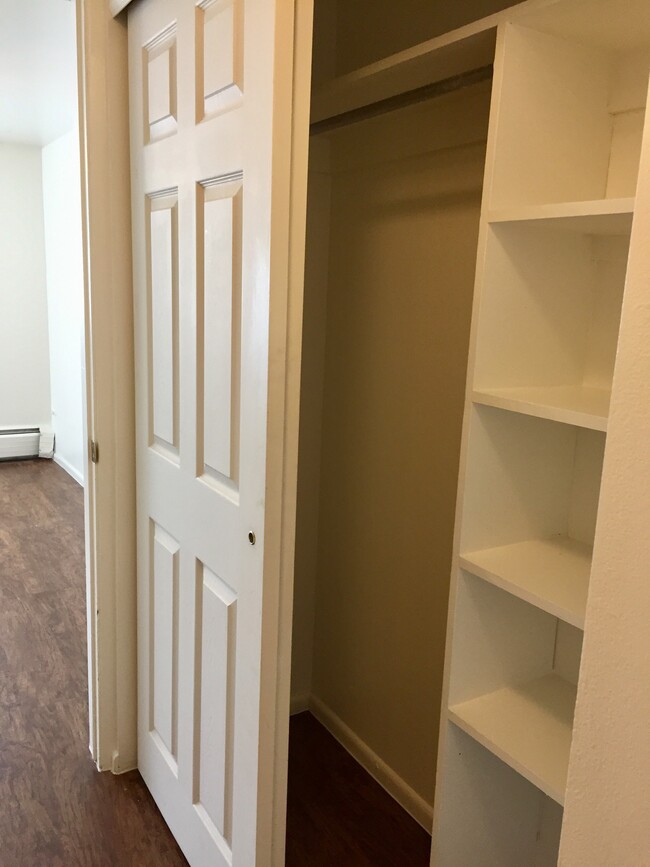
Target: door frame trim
x: 290, y: 171
x: 110, y: 489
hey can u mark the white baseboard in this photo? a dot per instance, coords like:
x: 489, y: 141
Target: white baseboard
x: 409, y: 799
x: 299, y: 704
x: 70, y: 470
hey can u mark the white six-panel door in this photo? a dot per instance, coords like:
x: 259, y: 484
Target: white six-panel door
x: 201, y: 82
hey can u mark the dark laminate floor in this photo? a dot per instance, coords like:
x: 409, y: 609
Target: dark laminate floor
x: 338, y: 816
x: 55, y: 809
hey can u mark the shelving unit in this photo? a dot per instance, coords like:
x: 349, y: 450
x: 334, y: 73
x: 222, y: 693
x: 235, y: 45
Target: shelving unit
x: 550, y: 313
x: 506, y: 820
x: 599, y: 217
x: 570, y: 87
x: 552, y: 574
x: 571, y: 404
x: 513, y: 672
x: 528, y: 727
x: 568, y: 107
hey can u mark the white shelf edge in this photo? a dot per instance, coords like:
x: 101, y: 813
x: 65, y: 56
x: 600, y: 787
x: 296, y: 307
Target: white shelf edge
x: 578, y: 418
x: 455, y: 714
x: 564, y: 210
x: 469, y: 563
x: 505, y: 756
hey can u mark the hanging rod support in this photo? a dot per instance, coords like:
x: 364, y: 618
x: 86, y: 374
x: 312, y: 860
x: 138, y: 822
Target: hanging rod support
x: 401, y: 100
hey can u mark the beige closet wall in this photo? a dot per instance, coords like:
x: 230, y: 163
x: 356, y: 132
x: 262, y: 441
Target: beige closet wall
x: 405, y: 198
x: 311, y: 419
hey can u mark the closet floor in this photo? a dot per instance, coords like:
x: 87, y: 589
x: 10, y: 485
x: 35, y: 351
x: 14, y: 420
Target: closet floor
x: 338, y: 816
x: 56, y: 810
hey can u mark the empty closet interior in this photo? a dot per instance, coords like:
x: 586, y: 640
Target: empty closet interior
x: 465, y: 267
x: 393, y: 216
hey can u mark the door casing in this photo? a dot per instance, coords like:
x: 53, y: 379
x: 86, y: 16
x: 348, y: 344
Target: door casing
x: 110, y: 490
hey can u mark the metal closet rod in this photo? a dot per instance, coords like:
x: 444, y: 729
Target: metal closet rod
x: 401, y: 100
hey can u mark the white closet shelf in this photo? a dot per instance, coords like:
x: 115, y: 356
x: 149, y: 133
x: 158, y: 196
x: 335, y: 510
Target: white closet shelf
x: 571, y: 404
x: 598, y: 217
x: 528, y: 727
x: 458, y: 51
x: 551, y: 574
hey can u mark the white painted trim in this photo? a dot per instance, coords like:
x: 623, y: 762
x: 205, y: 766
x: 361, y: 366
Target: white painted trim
x: 110, y: 484
x: 405, y: 796
x: 299, y: 704
x: 70, y: 470
x: 289, y: 197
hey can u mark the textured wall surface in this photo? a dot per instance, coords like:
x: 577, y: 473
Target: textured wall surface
x: 607, y: 811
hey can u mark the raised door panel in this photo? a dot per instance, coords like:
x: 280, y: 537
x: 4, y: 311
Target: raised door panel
x: 219, y: 225
x: 215, y: 662
x: 159, y: 82
x: 163, y: 600
x: 162, y: 335
x: 219, y: 56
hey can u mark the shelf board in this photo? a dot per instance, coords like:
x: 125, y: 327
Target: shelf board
x: 528, y: 727
x: 576, y: 405
x: 467, y: 48
x: 599, y: 217
x: 551, y: 574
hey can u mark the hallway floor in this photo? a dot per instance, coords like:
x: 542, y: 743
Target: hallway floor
x: 55, y: 809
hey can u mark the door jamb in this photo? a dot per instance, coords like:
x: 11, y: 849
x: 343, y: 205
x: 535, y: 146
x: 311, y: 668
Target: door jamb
x: 110, y: 483
x: 290, y: 168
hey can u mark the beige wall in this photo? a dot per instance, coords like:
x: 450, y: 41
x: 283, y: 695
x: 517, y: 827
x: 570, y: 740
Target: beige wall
x: 311, y: 419
x: 404, y: 218
x: 607, y: 810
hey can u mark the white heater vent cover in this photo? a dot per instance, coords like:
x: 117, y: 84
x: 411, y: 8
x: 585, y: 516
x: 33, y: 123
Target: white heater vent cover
x: 18, y: 443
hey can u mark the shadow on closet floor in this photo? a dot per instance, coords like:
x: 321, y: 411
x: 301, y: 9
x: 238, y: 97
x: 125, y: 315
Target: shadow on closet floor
x: 338, y: 816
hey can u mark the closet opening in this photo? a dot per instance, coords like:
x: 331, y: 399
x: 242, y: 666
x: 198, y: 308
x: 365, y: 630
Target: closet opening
x: 393, y: 214
x: 396, y: 211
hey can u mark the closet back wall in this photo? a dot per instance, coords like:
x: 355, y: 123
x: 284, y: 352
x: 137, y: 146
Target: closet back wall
x: 403, y: 221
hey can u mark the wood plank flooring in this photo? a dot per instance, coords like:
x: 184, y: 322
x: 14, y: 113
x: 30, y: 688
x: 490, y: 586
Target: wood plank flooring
x: 338, y: 816
x: 56, y: 810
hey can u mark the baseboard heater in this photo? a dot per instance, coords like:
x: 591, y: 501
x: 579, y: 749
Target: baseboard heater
x: 18, y: 444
